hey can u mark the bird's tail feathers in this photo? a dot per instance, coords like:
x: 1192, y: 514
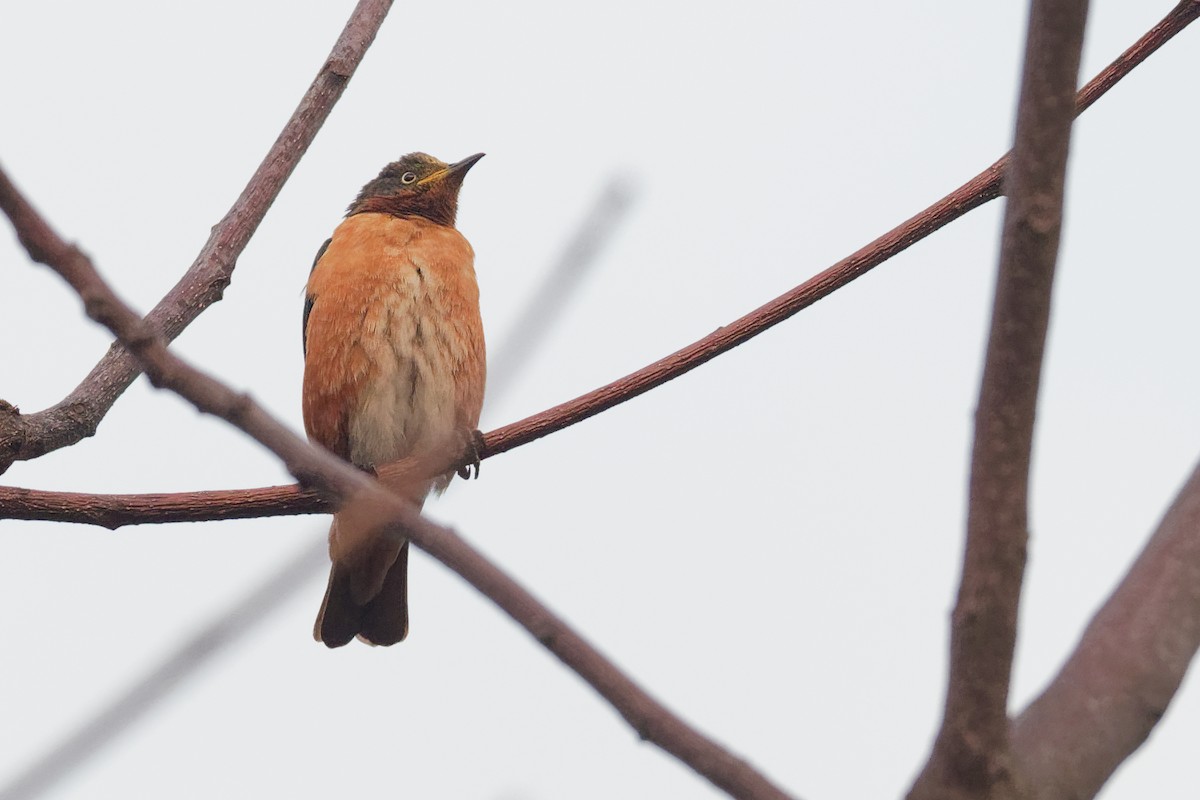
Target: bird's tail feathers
x: 367, y: 594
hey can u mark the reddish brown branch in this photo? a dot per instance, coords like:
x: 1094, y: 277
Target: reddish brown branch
x: 978, y: 190
x: 1127, y: 667
x: 21, y: 504
x: 971, y: 195
x: 1129, y: 664
x: 342, y: 484
x: 114, y: 511
x: 971, y: 756
x: 24, y: 437
x: 1178, y: 18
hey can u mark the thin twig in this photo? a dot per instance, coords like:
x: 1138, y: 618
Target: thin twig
x: 1178, y: 18
x: 24, y: 437
x: 977, y: 191
x: 273, y: 501
x: 971, y: 756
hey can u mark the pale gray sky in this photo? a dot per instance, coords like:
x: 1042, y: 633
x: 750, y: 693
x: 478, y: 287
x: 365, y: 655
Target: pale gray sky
x: 769, y: 544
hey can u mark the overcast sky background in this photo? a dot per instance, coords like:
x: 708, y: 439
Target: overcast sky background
x: 769, y: 544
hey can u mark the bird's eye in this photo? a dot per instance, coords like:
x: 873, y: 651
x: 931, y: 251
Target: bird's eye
x: 407, y: 178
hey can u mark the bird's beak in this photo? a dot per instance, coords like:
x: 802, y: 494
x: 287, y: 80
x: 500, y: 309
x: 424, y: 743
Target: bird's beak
x: 461, y: 167
x: 453, y: 175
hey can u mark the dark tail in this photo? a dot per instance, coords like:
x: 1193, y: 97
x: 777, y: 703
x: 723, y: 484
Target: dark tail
x: 358, y: 603
x: 367, y: 594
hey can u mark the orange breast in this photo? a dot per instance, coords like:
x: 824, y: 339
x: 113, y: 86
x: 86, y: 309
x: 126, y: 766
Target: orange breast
x: 395, y: 351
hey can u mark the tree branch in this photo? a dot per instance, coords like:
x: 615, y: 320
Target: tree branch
x: 1128, y: 665
x: 25, y: 437
x: 1178, y: 18
x: 105, y: 728
x: 971, y: 756
x: 114, y: 511
x: 345, y: 486
x: 117, y: 510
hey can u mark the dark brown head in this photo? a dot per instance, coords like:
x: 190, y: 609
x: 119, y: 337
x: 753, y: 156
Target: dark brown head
x: 418, y: 185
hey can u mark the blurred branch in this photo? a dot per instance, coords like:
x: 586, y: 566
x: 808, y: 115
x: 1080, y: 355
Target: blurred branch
x: 144, y: 693
x: 24, y: 437
x: 1128, y: 665
x: 346, y: 486
x: 546, y: 305
x: 273, y: 501
x: 971, y: 755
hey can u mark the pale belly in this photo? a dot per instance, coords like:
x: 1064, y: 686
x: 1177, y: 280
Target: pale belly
x: 409, y: 409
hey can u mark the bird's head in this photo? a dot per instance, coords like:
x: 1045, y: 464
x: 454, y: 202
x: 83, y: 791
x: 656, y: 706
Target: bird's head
x: 418, y: 185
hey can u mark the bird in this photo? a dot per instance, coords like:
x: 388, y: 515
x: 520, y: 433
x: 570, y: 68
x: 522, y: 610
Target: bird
x: 394, y: 373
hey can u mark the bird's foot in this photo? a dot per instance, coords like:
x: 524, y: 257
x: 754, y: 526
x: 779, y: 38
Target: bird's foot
x: 474, y: 455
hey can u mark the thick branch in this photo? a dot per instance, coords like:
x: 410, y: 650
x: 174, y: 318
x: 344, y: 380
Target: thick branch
x: 1126, y: 669
x: 195, y: 506
x: 971, y: 754
x: 344, y: 485
x: 24, y: 437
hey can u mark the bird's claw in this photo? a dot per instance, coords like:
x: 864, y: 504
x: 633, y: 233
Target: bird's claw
x: 474, y: 453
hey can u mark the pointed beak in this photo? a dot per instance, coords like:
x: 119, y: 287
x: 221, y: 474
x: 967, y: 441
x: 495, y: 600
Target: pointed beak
x: 452, y: 176
x: 460, y: 167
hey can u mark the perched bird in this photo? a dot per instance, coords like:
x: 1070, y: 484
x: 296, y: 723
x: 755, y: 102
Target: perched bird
x: 394, y: 370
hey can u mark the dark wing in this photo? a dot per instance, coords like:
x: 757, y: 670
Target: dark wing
x: 308, y: 302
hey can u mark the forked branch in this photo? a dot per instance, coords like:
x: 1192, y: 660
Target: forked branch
x: 971, y: 756
x: 28, y: 436
x: 342, y: 485
x: 117, y: 510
